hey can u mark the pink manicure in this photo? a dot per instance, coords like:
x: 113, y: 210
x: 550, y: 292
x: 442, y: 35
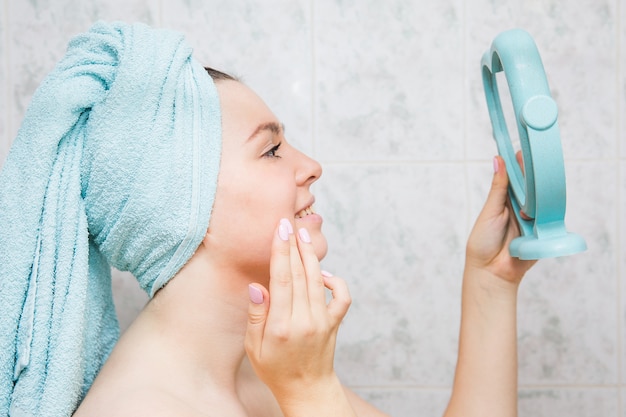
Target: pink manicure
x: 496, y: 165
x: 304, y: 235
x: 283, y: 232
x: 326, y: 274
x: 256, y: 295
x: 285, y: 229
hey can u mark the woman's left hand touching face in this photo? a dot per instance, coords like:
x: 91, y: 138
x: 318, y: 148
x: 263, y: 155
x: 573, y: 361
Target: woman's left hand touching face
x: 292, y: 331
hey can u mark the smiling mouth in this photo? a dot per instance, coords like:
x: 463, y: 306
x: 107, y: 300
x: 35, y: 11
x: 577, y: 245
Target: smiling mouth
x: 305, y: 212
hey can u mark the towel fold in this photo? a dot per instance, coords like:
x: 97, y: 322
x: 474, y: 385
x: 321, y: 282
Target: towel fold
x: 115, y: 164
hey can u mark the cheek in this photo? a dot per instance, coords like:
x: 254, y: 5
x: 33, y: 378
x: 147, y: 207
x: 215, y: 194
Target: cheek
x: 245, y: 217
x: 245, y: 230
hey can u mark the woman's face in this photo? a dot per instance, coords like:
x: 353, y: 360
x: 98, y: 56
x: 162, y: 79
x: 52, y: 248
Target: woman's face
x: 262, y: 179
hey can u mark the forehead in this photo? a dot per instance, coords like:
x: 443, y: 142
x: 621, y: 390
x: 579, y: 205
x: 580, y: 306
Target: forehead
x: 242, y: 109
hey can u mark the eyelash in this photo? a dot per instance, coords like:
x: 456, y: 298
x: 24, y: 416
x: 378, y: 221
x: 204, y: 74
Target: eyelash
x: 272, y: 152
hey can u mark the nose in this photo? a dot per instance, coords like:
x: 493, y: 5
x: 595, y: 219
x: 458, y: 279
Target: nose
x: 308, y: 170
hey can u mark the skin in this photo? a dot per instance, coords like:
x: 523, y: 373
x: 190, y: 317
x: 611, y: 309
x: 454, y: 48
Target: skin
x: 184, y: 354
x: 294, y: 348
x: 257, y: 186
x: 254, y: 289
x: 485, y: 382
x: 284, y: 355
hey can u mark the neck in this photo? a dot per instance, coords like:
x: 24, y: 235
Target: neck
x: 198, y: 321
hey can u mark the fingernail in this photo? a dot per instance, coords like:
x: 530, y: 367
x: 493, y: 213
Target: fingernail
x: 283, y: 233
x: 496, y: 165
x: 256, y: 295
x: 304, y: 235
x: 288, y: 225
x: 326, y: 274
x: 285, y: 229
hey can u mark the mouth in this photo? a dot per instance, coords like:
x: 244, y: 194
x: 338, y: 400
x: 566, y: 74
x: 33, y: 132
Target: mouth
x: 305, y: 212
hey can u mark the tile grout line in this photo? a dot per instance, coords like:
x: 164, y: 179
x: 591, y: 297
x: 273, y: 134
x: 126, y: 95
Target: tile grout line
x: 8, y: 125
x: 445, y: 388
x: 313, y: 82
x: 465, y: 98
x: 620, y: 196
x: 429, y: 162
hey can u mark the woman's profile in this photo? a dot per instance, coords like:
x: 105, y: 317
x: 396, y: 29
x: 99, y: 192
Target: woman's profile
x: 182, y: 175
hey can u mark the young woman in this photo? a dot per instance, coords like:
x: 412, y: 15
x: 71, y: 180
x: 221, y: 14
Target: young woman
x: 241, y: 326
x: 184, y: 354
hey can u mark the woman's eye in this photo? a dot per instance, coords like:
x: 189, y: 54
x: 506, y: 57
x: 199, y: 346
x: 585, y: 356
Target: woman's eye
x: 272, y: 152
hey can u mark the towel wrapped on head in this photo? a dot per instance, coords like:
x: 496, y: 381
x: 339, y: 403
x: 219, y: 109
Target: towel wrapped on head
x: 115, y: 164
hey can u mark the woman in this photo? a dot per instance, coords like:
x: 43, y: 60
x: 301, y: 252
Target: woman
x: 193, y: 346
x: 191, y: 334
x: 184, y: 354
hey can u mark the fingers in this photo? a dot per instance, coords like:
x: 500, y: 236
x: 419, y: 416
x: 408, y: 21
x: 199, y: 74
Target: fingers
x: 257, y: 317
x: 281, y: 279
x: 338, y: 306
x: 296, y: 283
x: 314, y: 282
x: 300, y: 303
x: 498, y: 194
x: 291, y: 330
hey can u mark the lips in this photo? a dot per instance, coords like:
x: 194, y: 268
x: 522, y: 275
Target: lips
x: 305, y: 212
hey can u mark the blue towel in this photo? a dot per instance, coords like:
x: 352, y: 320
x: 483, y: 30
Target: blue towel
x: 115, y: 164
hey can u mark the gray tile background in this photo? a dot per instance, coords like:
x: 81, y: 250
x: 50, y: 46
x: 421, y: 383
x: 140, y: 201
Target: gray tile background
x: 388, y: 97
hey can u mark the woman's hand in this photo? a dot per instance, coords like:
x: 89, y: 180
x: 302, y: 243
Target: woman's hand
x: 495, y: 228
x: 485, y: 382
x: 292, y: 331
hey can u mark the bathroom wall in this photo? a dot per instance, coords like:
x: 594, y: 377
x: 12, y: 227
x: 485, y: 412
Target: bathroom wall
x: 387, y: 96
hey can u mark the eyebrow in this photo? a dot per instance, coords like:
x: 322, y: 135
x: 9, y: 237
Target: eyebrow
x: 276, y: 128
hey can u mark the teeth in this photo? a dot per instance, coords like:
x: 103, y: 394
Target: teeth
x: 305, y: 212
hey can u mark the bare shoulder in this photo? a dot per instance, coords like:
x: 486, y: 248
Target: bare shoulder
x: 255, y: 396
x: 137, y: 403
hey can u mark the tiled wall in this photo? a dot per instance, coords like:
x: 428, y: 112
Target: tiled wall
x: 387, y: 96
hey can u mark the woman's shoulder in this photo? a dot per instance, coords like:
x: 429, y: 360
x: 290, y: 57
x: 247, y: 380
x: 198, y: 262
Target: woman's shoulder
x: 152, y: 403
x: 137, y: 403
x: 255, y: 396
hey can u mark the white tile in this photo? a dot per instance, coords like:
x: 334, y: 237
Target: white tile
x: 621, y: 137
x: 128, y: 297
x: 407, y: 402
x: 5, y: 141
x: 388, y: 80
x: 622, y: 268
x: 579, y: 402
x: 569, y: 309
x: 396, y: 233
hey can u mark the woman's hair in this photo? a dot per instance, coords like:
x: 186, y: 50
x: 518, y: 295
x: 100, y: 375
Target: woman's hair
x: 219, y: 75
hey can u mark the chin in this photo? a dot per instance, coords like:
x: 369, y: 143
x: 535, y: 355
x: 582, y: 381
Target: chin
x: 321, y: 247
